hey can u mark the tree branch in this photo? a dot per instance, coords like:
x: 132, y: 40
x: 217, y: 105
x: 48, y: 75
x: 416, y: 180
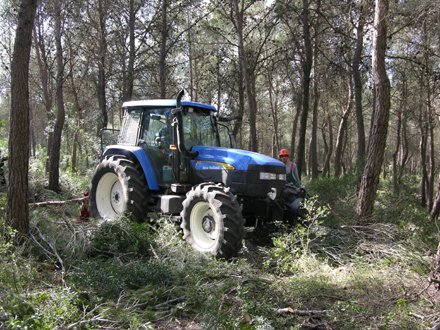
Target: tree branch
x: 51, y: 247
x: 300, y: 312
x: 48, y: 203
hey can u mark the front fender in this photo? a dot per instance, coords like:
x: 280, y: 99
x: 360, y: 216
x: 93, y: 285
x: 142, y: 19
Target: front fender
x: 133, y: 152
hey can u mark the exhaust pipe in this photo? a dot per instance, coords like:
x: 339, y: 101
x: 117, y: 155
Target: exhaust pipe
x: 177, y: 112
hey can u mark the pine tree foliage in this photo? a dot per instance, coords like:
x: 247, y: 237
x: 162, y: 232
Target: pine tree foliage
x: 296, y: 60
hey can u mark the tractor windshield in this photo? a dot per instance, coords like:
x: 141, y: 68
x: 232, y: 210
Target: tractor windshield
x: 199, y: 128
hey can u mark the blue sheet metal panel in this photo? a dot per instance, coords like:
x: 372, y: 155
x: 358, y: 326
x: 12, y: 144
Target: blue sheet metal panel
x: 240, y: 159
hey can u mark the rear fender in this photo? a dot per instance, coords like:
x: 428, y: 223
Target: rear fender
x: 136, y: 154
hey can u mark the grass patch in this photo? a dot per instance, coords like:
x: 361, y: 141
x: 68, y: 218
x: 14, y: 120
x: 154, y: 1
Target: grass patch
x: 109, y: 278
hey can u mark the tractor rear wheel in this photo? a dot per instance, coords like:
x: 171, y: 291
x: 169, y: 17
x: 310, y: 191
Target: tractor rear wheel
x: 212, y: 221
x: 119, y: 187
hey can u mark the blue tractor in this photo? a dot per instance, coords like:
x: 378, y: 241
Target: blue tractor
x: 168, y: 159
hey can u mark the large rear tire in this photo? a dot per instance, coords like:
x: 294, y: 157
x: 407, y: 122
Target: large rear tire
x: 119, y: 187
x: 212, y: 221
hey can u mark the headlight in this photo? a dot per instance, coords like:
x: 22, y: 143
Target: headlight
x: 282, y: 177
x: 267, y: 176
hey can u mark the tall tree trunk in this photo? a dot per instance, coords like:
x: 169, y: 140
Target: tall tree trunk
x: 379, y: 130
x: 430, y: 190
x: 248, y: 83
x: 17, y: 211
x: 396, y: 153
x: 131, y: 51
x: 314, y: 140
x: 74, y: 151
x: 43, y: 67
x: 343, y: 128
x: 430, y: 193
x: 33, y: 142
x: 54, y: 173
x: 163, y: 51
x: 219, y: 82
x: 190, y: 62
x: 326, y: 169
x: 274, y: 108
x: 360, y: 161
x: 298, y: 110
x: 400, y: 136
x: 238, y: 124
x: 101, y: 65
x: 49, y: 149
x: 306, y: 68
x: 78, y: 122
x: 436, y: 206
x: 404, y: 149
x: 423, y: 127
x: 273, y: 100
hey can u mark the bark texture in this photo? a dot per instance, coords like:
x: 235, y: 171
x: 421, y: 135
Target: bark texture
x: 379, y: 129
x: 54, y: 173
x: 17, y: 213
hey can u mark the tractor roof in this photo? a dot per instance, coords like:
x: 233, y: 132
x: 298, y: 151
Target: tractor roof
x: 166, y: 103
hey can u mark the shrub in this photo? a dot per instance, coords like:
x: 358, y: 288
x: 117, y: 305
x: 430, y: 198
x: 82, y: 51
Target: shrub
x: 110, y: 278
x: 122, y: 237
x: 291, y: 245
x: 338, y: 194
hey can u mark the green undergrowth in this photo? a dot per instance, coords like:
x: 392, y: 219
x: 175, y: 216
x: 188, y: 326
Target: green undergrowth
x: 324, y: 272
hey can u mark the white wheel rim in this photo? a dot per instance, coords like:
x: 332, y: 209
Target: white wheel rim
x: 203, y: 224
x: 109, y: 196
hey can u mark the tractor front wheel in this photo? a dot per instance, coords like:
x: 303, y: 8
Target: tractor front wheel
x: 119, y: 187
x: 212, y: 221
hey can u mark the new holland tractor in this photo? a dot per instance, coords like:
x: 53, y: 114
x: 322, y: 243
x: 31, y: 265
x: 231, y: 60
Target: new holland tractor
x: 168, y: 160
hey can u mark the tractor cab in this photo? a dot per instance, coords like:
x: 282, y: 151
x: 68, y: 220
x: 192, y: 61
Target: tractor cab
x: 155, y: 127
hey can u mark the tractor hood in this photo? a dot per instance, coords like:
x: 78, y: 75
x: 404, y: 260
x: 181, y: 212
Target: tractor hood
x: 215, y: 158
x: 246, y: 173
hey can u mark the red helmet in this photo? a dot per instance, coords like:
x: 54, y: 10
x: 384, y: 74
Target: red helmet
x: 284, y: 152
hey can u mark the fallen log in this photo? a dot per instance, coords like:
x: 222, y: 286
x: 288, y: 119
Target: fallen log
x: 50, y: 203
x: 300, y: 312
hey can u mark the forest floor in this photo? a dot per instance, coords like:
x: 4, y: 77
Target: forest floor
x: 351, y: 295
x: 324, y: 273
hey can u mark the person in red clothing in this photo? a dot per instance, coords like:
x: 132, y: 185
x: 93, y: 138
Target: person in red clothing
x: 84, y: 212
x: 292, y: 175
